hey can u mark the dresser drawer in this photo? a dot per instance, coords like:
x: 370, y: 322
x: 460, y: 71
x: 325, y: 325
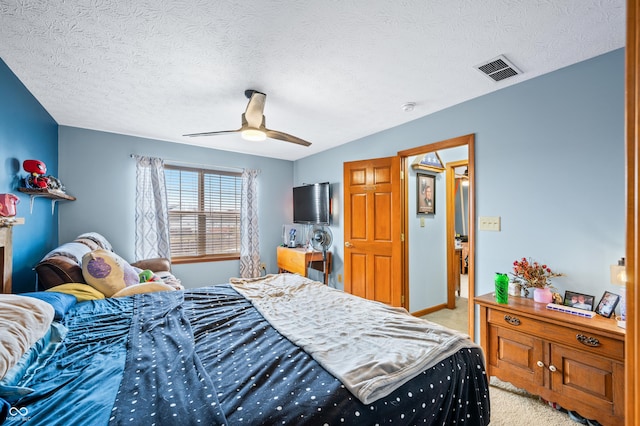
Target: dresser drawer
x: 571, y: 335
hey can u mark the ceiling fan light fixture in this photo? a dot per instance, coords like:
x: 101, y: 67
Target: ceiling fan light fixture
x: 254, y: 135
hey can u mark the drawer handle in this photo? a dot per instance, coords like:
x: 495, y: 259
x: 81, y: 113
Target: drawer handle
x: 512, y: 320
x: 588, y: 341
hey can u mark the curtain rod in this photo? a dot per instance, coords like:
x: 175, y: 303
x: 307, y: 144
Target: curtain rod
x: 199, y: 165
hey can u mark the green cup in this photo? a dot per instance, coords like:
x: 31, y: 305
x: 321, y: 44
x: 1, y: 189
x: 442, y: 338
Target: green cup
x: 502, y: 288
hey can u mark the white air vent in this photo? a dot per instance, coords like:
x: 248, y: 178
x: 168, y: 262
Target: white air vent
x: 498, y: 68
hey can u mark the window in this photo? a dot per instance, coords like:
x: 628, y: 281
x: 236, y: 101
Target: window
x: 204, y: 214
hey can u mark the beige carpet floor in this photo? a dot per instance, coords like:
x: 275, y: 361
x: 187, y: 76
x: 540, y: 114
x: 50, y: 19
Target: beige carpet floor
x: 510, y: 406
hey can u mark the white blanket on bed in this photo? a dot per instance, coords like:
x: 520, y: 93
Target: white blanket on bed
x: 23, y: 321
x: 370, y: 347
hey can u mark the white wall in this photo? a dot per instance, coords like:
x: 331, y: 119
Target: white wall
x: 97, y: 168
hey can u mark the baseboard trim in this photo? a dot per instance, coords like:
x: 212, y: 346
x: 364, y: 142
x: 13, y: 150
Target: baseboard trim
x: 429, y: 310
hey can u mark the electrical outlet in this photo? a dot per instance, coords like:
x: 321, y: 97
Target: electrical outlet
x: 263, y: 266
x: 339, y: 278
x: 489, y: 223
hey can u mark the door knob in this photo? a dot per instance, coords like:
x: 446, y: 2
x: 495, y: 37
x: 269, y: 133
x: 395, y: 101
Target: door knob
x: 348, y: 244
x: 540, y: 364
x: 552, y: 368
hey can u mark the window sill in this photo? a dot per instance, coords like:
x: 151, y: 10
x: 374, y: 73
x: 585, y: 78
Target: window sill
x: 200, y: 259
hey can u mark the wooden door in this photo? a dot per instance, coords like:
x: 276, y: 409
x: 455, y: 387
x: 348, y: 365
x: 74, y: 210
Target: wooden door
x: 372, y: 231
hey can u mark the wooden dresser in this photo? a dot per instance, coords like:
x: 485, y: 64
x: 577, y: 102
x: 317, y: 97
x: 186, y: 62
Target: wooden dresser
x: 573, y: 361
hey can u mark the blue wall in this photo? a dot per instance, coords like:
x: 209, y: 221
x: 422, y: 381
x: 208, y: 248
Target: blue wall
x: 98, y: 169
x: 27, y: 131
x: 549, y: 161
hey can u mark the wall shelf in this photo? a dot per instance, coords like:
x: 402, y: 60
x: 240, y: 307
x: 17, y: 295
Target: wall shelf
x: 54, y: 196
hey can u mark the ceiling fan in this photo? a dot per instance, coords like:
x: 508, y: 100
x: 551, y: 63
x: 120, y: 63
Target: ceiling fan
x: 253, y: 123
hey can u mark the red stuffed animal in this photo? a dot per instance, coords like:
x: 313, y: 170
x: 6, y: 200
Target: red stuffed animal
x: 36, y: 170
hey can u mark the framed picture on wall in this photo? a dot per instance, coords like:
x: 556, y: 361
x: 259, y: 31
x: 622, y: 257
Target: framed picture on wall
x: 426, y: 193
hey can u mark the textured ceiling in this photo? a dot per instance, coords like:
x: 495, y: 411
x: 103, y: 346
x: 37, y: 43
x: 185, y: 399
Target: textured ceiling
x: 333, y: 71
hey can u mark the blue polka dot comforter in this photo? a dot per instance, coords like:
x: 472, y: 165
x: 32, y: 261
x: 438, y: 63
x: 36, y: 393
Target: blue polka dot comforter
x: 207, y: 356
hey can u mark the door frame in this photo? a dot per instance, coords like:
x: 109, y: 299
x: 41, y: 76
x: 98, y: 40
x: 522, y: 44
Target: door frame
x: 469, y: 141
x: 452, y: 268
x: 632, y: 145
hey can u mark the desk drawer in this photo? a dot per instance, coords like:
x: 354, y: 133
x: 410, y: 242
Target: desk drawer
x: 572, y: 335
x: 292, y: 260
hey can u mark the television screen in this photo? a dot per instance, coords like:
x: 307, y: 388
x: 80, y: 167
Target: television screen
x: 311, y: 204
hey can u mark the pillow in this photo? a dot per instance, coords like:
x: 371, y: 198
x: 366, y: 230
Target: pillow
x: 23, y: 321
x: 61, y: 302
x: 107, y: 272
x: 73, y: 251
x: 150, y: 287
x: 170, y: 279
x: 81, y: 291
x: 96, y: 238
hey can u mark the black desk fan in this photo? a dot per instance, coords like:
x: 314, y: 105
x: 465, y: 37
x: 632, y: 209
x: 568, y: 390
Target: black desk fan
x: 320, y: 239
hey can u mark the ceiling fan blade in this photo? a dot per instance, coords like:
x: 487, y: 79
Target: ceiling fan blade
x: 253, y: 123
x: 222, y: 132
x: 274, y: 134
x: 255, y: 110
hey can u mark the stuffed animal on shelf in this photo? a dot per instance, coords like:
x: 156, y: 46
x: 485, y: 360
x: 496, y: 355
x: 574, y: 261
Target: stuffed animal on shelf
x: 54, y: 184
x: 36, y: 178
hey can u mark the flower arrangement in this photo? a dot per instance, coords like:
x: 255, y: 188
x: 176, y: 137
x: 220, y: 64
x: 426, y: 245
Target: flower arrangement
x: 531, y: 274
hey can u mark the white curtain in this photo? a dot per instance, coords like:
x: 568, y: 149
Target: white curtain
x: 152, y: 211
x: 249, y: 235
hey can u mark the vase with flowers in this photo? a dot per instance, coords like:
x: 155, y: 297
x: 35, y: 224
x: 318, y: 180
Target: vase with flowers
x: 533, y: 275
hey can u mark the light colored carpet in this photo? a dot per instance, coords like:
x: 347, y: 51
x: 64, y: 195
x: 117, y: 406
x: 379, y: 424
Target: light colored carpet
x: 510, y: 406
x: 456, y: 319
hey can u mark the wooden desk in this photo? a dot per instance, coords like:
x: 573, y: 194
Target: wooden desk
x: 297, y: 260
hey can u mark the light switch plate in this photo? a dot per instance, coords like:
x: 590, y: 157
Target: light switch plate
x: 490, y: 223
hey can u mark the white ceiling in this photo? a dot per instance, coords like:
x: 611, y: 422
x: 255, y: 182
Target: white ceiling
x: 333, y: 71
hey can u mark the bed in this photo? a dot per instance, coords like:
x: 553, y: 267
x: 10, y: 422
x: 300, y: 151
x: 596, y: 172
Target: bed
x: 281, y: 349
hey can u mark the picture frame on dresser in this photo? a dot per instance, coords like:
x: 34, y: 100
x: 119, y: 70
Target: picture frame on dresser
x: 607, y: 305
x: 578, y: 300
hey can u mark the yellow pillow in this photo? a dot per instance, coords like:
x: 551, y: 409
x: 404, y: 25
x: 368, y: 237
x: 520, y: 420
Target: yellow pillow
x: 107, y: 272
x: 149, y: 287
x: 81, y: 291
